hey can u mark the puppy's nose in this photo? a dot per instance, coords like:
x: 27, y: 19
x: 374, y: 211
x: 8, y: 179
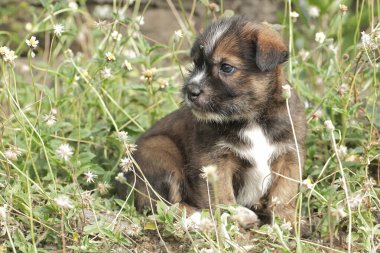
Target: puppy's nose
x: 194, y: 91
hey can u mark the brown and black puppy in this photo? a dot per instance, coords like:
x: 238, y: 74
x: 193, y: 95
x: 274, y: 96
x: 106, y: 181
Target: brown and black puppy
x: 235, y: 118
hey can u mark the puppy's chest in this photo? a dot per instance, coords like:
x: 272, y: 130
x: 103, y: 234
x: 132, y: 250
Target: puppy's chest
x: 253, y: 146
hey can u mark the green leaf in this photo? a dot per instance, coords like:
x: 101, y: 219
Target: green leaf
x: 82, y: 133
x: 86, y: 157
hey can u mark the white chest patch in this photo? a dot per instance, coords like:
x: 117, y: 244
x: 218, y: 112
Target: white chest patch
x: 259, y: 152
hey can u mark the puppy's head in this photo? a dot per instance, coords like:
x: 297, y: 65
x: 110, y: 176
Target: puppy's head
x: 236, y: 63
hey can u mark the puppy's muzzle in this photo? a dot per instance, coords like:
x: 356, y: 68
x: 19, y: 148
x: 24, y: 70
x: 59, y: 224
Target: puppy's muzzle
x: 193, y: 91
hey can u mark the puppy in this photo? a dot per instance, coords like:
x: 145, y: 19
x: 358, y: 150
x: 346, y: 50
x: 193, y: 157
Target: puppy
x: 234, y: 119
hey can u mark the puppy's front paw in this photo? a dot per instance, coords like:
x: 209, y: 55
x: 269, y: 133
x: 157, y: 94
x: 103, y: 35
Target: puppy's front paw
x: 193, y: 220
x: 245, y: 217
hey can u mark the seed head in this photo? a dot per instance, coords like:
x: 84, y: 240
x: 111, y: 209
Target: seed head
x: 126, y: 164
x: 120, y: 177
x: 122, y: 136
x: 90, y: 177
x: 12, y: 153
x: 209, y: 172
x: 286, y: 89
x: 58, y: 29
x: 103, y: 188
x: 213, y: 7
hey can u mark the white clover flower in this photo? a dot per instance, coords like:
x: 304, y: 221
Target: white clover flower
x: 3, y: 212
x: 307, y: 183
x: 73, y: 5
x: 120, y: 177
x: 122, y: 136
x: 54, y: 111
x: 286, y: 91
x: 178, y: 34
x: 63, y: 201
x: 294, y: 14
x: 320, y: 37
x: 90, y: 177
x: 126, y: 164
x: 116, y: 36
x: 64, y: 152
x: 32, y: 42
x: 49, y: 119
x: 10, y: 56
x: 127, y: 65
x: 314, y: 11
x: 58, y: 29
x: 110, y: 56
x: 4, y: 51
x: 106, y: 73
x: 140, y: 20
x: 209, y: 172
x: 28, y: 26
x: 12, y: 153
x: 329, y: 125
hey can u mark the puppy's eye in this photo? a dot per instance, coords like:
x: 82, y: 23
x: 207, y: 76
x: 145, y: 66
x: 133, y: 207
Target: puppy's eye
x: 227, y: 68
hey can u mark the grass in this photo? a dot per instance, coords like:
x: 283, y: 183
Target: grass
x: 61, y: 112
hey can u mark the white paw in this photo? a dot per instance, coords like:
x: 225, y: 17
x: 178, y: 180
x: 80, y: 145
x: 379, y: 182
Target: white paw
x: 245, y: 217
x: 194, y: 220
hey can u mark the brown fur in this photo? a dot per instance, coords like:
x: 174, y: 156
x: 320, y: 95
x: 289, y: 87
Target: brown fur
x: 219, y: 107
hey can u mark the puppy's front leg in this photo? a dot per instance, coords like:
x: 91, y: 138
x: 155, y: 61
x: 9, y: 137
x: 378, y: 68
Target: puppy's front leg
x: 224, y: 183
x: 283, y: 194
x: 244, y: 216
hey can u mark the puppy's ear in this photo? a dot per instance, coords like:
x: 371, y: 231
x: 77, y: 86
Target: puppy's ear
x: 270, y: 48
